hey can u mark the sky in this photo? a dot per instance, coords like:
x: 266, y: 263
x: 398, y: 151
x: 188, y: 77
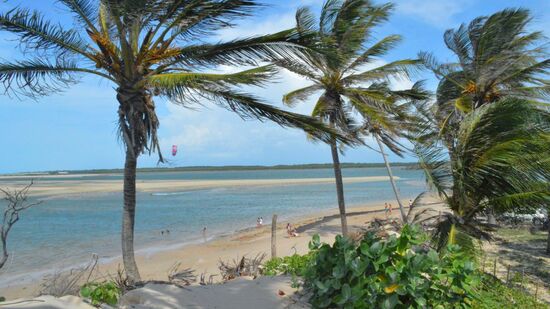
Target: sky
x: 76, y: 129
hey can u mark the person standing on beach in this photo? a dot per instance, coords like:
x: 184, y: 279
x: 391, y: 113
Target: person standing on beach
x: 204, y: 234
x: 386, y: 209
x: 390, y: 208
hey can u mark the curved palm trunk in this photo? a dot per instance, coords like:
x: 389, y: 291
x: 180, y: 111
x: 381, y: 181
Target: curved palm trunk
x: 128, y: 218
x: 392, y: 181
x: 339, y: 187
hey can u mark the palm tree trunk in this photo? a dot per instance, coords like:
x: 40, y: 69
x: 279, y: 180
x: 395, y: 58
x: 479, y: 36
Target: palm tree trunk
x: 339, y: 187
x: 392, y: 181
x: 128, y: 217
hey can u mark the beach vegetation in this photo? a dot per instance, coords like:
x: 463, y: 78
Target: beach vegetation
x: 149, y: 49
x: 396, y: 272
x: 495, y: 294
x: 101, y: 293
x: 338, y: 65
x: 294, y: 265
x: 484, y: 142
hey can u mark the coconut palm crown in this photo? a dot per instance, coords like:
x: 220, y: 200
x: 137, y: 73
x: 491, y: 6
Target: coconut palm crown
x: 150, y: 48
x: 496, y: 57
x: 338, y: 65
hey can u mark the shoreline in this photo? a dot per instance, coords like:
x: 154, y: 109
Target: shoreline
x: 154, y: 262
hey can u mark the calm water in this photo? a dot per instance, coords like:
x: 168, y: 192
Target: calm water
x: 65, y: 231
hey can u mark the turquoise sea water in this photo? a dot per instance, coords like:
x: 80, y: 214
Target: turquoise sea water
x: 65, y: 231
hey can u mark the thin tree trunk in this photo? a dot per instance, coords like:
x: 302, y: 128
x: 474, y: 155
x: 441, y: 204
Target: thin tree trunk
x: 274, y: 237
x: 4, y: 257
x: 128, y: 218
x: 392, y: 181
x: 339, y: 187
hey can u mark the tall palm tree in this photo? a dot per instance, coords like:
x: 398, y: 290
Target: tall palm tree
x: 338, y: 67
x: 150, y: 48
x: 497, y: 57
x: 387, y: 126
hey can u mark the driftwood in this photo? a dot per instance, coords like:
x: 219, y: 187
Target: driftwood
x: 183, y: 277
x: 244, y: 267
x: 17, y: 201
x: 69, y: 283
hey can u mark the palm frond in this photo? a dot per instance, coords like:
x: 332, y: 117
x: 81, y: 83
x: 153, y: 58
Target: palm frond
x: 168, y: 82
x: 294, y: 97
x: 378, y: 49
x: 86, y: 11
x: 38, y: 77
x: 248, y: 51
x: 37, y: 33
x: 397, y: 69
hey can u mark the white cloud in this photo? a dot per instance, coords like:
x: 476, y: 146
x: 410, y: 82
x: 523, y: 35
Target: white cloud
x: 439, y: 13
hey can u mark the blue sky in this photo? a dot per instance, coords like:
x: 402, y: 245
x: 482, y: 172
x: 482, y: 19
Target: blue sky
x: 76, y: 129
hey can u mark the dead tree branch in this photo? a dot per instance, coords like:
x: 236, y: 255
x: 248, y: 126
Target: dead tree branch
x: 16, y: 202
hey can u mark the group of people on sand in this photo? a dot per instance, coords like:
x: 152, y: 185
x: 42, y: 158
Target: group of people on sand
x: 167, y: 232
x: 388, y: 208
x: 291, y: 231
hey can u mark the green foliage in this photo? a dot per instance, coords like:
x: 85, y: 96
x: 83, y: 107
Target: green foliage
x: 493, y: 294
x: 2, y: 298
x: 289, y: 265
x: 101, y: 293
x: 399, y: 272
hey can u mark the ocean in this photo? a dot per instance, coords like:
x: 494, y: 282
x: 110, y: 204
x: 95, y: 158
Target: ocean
x: 65, y: 231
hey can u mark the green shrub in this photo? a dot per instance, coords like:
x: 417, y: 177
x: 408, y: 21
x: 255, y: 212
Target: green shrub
x: 399, y: 272
x: 289, y: 265
x: 101, y: 293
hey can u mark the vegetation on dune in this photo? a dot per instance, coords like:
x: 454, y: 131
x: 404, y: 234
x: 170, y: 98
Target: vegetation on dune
x: 398, y: 272
x: 101, y: 293
x: 337, y: 64
x: 149, y: 48
x: 494, y: 294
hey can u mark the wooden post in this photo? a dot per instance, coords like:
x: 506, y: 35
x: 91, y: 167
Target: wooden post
x: 483, y: 264
x: 522, y: 275
x: 495, y: 268
x: 508, y: 274
x: 274, y: 236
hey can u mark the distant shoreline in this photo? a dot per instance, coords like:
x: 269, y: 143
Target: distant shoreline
x: 408, y: 165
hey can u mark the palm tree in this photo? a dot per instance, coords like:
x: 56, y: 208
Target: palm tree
x: 497, y: 58
x: 150, y: 48
x: 500, y: 162
x: 389, y: 125
x: 337, y: 66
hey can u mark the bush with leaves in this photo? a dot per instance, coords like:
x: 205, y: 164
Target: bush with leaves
x: 397, y: 272
x: 294, y: 265
x: 101, y: 293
